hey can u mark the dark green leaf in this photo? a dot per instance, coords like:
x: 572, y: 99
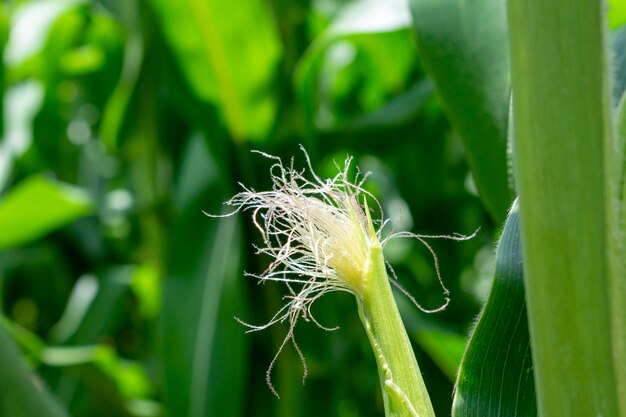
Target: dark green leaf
x: 496, y: 374
x: 128, y: 377
x: 95, y: 307
x: 36, y: 207
x: 351, y: 63
x: 397, y: 111
x: 118, y: 104
x: 463, y: 46
x: 204, y: 348
x: 21, y: 393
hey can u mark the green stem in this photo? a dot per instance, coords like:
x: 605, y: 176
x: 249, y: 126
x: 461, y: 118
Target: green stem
x: 563, y: 146
x: 401, y: 381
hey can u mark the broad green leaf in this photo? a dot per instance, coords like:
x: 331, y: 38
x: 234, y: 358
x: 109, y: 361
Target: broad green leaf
x: 463, y: 46
x: 496, y: 374
x: 21, y: 393
x: 36, y: 207
x: 204, y: 348
x: 229, y: 53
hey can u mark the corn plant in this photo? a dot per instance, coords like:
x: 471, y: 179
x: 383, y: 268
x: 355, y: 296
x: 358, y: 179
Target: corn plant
x: 567, y: 164
x: 123, y: 121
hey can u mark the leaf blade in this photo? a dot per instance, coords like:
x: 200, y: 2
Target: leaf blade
x: 463, y: 47
x: 204, y: 350
x: 36, y: 207
x: 19, y: 396
x: 498, y: 353
x: 216, y: 55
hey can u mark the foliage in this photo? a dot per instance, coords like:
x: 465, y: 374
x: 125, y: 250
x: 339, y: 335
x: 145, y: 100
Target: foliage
x: 149, y: 109
x: 124, y: 120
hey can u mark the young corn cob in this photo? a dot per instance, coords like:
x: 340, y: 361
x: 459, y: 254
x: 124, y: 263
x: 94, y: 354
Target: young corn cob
x: 322, y: 239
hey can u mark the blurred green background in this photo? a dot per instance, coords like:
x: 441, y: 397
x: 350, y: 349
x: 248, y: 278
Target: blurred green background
x: 122, y: 120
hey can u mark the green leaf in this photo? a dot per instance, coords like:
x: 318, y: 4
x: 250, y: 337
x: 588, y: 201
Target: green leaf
x: 34, y: 19
x: 496, y: 374
x: 463, y: 46
x: 21, y: 393
x: 36, y: 207
x: 397, y: 111
x: 367, y: 16
x: 204, y: 348
x: 129, y: 377
x: 95, y: 306
x: 229, y: 52
x: 118, y: 104
x: 617, y: 13
x: 362, y: 58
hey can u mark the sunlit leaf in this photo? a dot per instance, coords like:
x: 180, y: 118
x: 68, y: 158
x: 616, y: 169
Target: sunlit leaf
x: 229, y: 52
x: 617, y: 13
x: 146, y: 285
x: 36, y: 207
x: 82, y: 60
x: 371, y: 16
x: 30, y: 24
